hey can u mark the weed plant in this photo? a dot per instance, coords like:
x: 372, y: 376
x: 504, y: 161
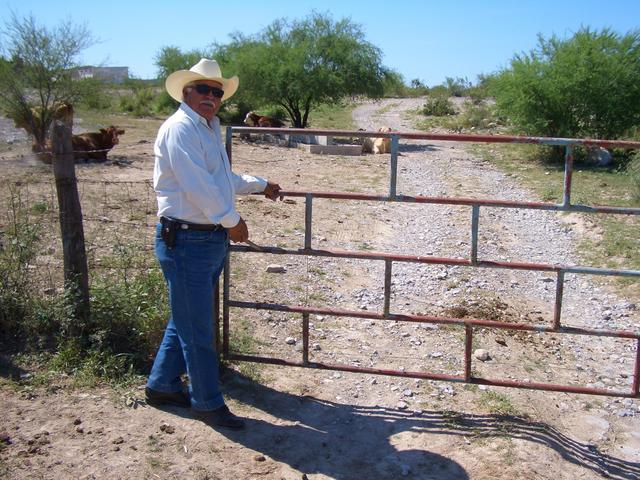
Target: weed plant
x: 128, y: 310
x: 438, y: 106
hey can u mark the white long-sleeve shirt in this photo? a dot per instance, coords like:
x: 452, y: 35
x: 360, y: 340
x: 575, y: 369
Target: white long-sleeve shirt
x: 192, y: 176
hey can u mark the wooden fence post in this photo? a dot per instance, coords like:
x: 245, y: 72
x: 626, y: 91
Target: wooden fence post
x: 76, y: 272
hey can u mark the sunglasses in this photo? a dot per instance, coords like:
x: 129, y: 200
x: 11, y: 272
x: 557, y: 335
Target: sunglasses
x: 204, y: 89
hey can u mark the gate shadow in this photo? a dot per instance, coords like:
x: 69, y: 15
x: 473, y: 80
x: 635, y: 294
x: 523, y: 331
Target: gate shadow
x: 352, y: 442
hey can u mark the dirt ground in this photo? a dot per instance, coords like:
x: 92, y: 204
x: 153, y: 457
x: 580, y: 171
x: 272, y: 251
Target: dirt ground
x: 322, y: 424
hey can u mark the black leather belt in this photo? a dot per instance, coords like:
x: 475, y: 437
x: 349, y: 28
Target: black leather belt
x: 181, y: 224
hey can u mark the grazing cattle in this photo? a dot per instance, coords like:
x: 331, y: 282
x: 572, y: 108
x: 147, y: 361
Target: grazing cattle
x: 95, y: 145
x: 377, y: 144
x: 254, y: 120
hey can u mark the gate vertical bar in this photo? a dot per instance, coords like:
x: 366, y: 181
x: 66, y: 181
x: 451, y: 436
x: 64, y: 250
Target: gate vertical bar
x: 468, y: 345
x: 568, y: 174
x: 387, y: 286
x: 225, y: 306
x: 636, y: 373
x: 305, y: 338
x: 308, y: 210
x: 229, y: 137
x: 475, y: 221
x: 394, y: 167
x: 226, y: 276
x: 557, y: 309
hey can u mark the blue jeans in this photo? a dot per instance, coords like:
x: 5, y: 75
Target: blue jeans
x: 191, y: 270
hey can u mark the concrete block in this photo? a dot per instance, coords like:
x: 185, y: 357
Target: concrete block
x: 349, y: 150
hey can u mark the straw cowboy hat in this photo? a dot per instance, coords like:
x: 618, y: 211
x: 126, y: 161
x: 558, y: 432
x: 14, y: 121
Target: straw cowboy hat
x: 205, y: 69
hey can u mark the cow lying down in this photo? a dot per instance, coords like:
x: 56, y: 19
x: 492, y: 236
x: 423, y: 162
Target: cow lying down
x: 95, y: 145
x: 86, y: 146
x: 255, y: 120
x: 377, y: 144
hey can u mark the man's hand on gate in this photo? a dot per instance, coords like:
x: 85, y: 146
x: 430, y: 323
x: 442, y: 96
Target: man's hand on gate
x: 272, y: 191
x: 239, y: 233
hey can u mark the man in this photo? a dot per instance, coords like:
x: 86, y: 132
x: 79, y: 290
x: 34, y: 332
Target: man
x: 195, y: 188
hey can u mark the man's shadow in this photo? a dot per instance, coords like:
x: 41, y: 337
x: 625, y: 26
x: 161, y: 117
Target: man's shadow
x: 338, y: 440
x: 346, y: 441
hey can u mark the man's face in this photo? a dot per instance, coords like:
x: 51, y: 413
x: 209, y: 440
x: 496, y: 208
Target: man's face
x: 205, y: 104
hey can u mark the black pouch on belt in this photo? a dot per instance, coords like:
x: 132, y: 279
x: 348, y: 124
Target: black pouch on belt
x: 168, y: 234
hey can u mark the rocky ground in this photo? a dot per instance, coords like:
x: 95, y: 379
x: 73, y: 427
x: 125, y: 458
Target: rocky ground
x: 318, y: 424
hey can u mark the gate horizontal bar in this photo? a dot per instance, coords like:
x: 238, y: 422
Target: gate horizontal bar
x: 337, y: 253
x: 337, y: 312
x: 435, y: 376
x: 466, y: 202
x: 453, y: 137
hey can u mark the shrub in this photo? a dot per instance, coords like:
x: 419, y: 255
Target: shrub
x: 479, y: 116
x: 128, y: 311
x: 438, y: 106
x: 587, y: 86
x: 140, y: 103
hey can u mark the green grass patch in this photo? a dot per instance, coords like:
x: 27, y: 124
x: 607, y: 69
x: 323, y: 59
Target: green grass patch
x: 333, y: 116
x: 496, y: 403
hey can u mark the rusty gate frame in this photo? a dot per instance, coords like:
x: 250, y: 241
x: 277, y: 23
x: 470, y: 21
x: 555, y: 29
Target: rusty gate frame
x: 473, y: 261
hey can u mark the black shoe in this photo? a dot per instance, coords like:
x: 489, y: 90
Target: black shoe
x: 156, y: 398
x: 221, y: 417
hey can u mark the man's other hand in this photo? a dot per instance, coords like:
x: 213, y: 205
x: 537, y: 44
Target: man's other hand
x: 239, y: 233
x: 272, y: 191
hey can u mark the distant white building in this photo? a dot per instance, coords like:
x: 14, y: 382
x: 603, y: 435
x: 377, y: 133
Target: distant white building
x: 107, y: 74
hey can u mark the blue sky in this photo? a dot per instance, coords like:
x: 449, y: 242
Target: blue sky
x: 424, y: 39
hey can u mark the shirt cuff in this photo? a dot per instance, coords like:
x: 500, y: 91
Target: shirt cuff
x: 230, y: 220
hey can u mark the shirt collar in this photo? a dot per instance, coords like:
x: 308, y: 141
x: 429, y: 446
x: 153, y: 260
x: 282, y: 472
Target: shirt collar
x: 196, y: 117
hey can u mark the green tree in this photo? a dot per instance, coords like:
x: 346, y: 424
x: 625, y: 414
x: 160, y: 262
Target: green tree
x: 458, y: 86
x: 586, y: 86
x: 171, y: 59
x: 304, y: 63
x: 36, y: 72
x: 168, y: 60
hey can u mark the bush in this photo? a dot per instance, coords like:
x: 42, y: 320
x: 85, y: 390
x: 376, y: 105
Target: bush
x: 438, y: 106
x: 584, y: 87
x: 94, y: 94
x: 140, y: 103
x: 128, y: 312
x: 478, y: 116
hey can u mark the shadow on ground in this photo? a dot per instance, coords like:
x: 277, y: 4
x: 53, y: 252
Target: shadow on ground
x: 346, y: 441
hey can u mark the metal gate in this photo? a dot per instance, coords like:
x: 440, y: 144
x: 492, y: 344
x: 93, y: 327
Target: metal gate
x: 469, y: 325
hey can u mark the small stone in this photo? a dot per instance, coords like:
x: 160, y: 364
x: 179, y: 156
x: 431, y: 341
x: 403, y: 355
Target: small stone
x: 290, y: 341
x: 166, y: 428
x: 275, y: 268
x: 77, y: 421
x: 481, y: 354
x: 260, y: 458
x: 118, y: 441
x: 408, y: 393
x: 402, y: 405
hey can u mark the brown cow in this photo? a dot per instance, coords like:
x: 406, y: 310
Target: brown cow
x: 95, y: 145
x: 255, y: 120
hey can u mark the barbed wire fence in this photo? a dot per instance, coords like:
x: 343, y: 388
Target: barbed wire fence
x: 118, y: 219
